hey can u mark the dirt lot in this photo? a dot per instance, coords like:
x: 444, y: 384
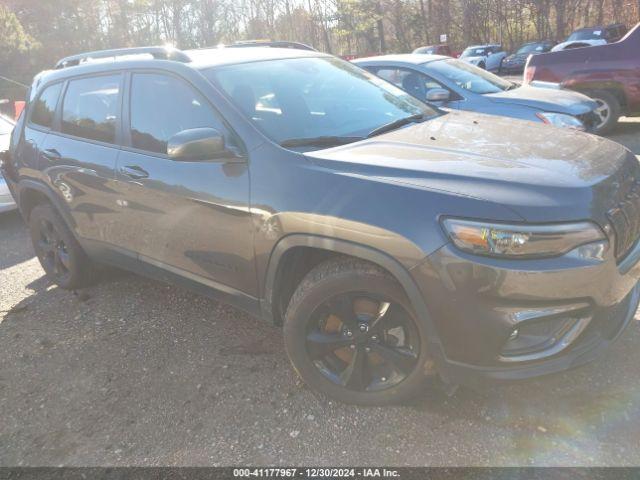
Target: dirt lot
x: 134, y: 372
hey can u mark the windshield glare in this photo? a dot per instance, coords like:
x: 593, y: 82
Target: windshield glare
x: 532, y: 47
x: 474, y: 52
x: 470, y: 77
x: 313, y: 97
x: 586, y: 35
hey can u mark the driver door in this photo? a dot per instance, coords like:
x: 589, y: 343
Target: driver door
x: 413, y: 82
x: 188, y: 217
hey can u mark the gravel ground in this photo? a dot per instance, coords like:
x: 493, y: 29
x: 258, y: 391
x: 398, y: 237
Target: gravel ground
x: 134, y: 372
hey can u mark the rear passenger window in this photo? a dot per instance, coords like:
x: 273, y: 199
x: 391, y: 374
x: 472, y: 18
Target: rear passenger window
x: 162, y: 106
x: 90, y: 108
x: 44, y: 107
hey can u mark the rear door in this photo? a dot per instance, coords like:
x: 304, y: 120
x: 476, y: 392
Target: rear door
x: 40, y: 121
x: 79, y: 153
x: 188, y: 217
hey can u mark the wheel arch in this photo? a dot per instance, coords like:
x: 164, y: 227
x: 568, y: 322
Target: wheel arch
x: 612, y: 86
x: 330, y: 247
x: 32, y: 193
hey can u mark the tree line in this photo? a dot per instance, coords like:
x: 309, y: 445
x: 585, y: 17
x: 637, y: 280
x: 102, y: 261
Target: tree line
x: 35, y: 33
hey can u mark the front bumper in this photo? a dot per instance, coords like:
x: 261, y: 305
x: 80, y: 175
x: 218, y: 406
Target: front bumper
x: 477, y: 304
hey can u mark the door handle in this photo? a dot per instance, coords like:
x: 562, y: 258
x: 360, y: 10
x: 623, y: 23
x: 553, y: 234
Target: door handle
x: 134, y: 171
x: 51, y: 154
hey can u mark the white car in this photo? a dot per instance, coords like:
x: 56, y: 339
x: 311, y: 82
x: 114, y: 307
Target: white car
x: 488, y: 57
x: 6, y: 200
x: 592, y: 36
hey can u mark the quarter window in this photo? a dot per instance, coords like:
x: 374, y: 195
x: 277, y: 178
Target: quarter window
x: 90, y: 108
x: 162, y: 106
x: 44, y: 107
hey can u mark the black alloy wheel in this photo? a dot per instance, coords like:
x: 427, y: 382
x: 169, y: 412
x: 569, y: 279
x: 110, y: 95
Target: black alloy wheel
x: 61, y: 256
x: 52, y: 251
x: 363, y: 342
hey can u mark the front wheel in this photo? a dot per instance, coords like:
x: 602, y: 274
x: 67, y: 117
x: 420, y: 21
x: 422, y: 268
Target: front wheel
x: 351, y: 333
x: 482, y: 65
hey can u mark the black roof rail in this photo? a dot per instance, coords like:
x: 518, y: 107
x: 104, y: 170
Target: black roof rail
x: 159, y: 53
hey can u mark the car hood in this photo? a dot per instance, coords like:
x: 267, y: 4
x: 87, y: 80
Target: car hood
x: 563, y: 45
x: 540, y: 172
x: 546, y: 99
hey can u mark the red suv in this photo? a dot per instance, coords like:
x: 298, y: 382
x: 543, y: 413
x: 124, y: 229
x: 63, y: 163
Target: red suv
x: 610, y: 74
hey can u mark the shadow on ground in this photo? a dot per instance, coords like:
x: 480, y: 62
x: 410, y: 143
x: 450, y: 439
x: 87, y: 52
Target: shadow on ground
x: 14, y: 238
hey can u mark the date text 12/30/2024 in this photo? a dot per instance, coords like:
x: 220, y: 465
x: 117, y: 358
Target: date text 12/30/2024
x: 315, y: 473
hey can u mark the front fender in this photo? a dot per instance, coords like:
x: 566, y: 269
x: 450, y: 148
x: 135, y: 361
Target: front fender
x: 400, y: 272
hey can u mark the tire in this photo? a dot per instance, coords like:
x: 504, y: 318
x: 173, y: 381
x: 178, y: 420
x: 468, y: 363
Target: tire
x: 482, y: 65
x: 61, y: 257
x: 380, y: 383
x: 609, y: 105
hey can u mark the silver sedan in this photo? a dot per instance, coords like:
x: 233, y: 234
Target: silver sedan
x: 453, y: 84
x: 6, y: 200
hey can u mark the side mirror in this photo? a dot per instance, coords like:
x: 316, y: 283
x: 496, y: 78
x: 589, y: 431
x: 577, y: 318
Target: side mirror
x: 198, y: 144
x: 438, y: 95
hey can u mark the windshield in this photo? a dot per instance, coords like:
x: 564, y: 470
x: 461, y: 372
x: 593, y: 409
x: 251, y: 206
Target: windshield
x: 475, y: 52
x: 530, y: 48
x: 586, y: 35
x: 314, y: 97
x: 470, y: 77
x: 425, y: 50
x: 5, y: 127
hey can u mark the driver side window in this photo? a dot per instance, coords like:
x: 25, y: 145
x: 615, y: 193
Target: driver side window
x: 415, y: 83
x: 162, y: 106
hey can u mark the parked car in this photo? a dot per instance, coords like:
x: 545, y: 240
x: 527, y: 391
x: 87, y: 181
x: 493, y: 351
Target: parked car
x: 610, y: 74
x: 514, y: 63
x: 488, y: 57
x: 269, y: 43
x: 434, y: 50
x: 392, y: 240
x: 6, y: 200
x: 592, y: 36
x: 454, y: 84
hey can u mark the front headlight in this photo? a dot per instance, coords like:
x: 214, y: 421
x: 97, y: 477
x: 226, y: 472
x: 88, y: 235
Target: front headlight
x: 526, y: 241
x: 561, y: 120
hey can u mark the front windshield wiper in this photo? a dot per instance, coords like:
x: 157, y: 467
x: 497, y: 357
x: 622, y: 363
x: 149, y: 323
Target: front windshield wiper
x: 387, y: 127
x: 513, y: 86
x: 324, y: 141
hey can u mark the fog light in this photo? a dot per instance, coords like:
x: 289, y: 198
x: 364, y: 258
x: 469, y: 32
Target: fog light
x: 513, y: 335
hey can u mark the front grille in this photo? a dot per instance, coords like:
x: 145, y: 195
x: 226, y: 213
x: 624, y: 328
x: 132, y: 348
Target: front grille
x: 625, y: 221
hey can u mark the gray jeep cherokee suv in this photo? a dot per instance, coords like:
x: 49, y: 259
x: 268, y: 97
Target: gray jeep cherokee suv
x: 390, y: 239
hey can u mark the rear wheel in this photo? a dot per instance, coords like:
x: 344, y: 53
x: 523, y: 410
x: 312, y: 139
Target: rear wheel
x: 607, y: 111
x: 60, y: 255
x: 350, y: 333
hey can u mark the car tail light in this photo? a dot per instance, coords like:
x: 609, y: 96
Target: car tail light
x: 529, y: 73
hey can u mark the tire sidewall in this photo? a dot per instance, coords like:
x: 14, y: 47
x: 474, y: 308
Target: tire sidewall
x: 614, y: 110
x: 295, y: 333
x: 76, y: 255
